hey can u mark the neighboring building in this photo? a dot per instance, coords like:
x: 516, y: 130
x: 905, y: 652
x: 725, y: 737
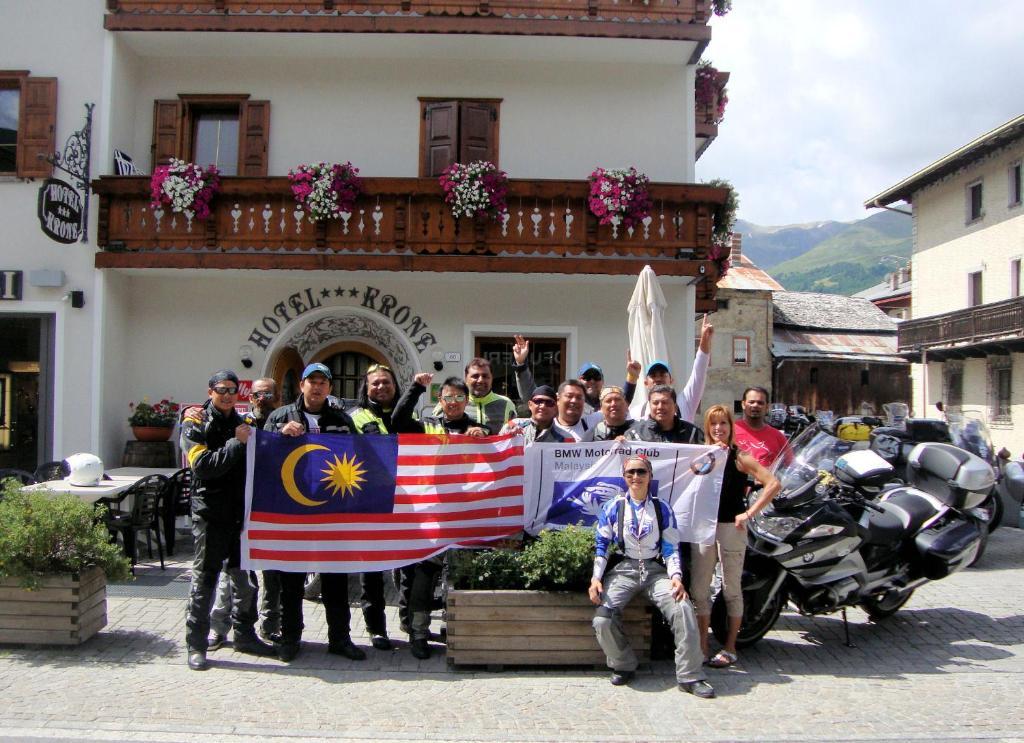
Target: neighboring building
x: 741, y: 347
x: 835, y: 353
x: 892, y: 296
x: 157, y: 300
x: 967, y: 333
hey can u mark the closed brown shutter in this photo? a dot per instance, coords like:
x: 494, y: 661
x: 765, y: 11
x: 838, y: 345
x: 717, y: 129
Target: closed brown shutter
x: 440, y: 148
x: 477, y: 132
x: 253, y: 134
x: 167, y: 124
x: 38, y: 126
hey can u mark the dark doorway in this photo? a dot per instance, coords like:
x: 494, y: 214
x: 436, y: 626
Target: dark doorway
x: 26, y: 381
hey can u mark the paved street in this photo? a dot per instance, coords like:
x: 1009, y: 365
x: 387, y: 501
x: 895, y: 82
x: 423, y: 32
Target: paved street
x: 950, y: 665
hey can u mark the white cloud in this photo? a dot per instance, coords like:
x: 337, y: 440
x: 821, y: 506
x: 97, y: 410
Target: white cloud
x: 831, y: 103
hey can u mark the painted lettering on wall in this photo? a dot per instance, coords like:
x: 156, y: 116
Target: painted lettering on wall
x: 370, y: 297
x: 10, y: 284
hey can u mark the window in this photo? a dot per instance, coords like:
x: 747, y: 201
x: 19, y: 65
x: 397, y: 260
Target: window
x: 1014, y: 184
x: 28, y: 123
x: 865, y: 377
x: 457, y: 131
x: 1000, y: 375
x: 740, y: 351
x: 953, y: 381
x: 347, y: 371
x: 974, y: 296
x: 228, y: 130
x: 814, y: 375
x: 974, y: 203
x: 547, y: 362
x: 1015, y: 277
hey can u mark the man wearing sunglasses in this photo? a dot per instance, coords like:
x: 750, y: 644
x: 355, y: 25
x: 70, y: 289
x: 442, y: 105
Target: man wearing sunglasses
x: 213, y: 438
x: 314, y: 412
x: 485, y: 406
x: 541, y: 425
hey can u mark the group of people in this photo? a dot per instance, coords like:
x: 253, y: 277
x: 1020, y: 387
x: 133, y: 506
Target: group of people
x: 638, y: 548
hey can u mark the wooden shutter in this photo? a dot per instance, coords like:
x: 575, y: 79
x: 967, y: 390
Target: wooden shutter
x: 440, y: 141
x: 167, y: 130
x: 37, y: 123
x: 253, y: 136
x: 477, y: 132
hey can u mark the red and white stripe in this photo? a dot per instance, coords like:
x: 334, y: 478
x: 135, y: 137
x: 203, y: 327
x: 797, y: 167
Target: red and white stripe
x: 450, y: 491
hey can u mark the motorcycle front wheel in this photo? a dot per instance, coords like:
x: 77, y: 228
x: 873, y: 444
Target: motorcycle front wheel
x: 756, y: 623
x: 886, y: 605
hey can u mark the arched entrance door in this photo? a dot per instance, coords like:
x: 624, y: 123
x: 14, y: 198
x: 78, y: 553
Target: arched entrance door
x: 348, y: 363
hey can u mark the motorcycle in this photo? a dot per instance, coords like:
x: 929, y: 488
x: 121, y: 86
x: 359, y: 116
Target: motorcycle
x: 842, y: 533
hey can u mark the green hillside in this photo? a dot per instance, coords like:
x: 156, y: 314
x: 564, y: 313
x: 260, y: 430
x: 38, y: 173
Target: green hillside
x: 854, y: 259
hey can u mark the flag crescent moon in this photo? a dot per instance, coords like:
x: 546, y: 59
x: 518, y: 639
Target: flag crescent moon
x: 288, y: 474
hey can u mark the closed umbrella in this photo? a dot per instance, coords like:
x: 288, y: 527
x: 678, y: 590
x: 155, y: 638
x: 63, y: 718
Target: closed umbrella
x: 647, y: 339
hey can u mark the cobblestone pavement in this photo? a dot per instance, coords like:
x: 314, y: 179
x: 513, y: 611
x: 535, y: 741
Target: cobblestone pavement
x: 950, y: 665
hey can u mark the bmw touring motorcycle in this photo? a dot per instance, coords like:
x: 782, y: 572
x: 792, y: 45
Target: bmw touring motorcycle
x: 844, y: 532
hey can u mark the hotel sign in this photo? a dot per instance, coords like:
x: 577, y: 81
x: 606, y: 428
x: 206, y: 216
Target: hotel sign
x: 60, y: 211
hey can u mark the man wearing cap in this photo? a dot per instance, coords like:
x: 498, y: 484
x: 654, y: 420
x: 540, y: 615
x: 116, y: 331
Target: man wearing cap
x: 213, y: 438
x: 313, y: 412
x: 486, y: 407
x: 541, y: 425
x: 660, y: 373
x: 615, y: 420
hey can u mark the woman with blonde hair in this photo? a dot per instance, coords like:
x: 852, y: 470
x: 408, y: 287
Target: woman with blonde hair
x: 730, y: 543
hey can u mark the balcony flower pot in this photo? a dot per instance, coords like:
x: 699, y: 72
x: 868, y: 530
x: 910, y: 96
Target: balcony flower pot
x: 530, y: 607
x: 152, y: 433
x: 55, y: 560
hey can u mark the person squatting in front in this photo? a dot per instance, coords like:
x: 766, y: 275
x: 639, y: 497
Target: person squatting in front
x: 314, y: 412
x: 213, y: 438
x: 643, y: 530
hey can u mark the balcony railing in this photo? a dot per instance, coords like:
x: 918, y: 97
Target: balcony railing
x: 673, y: 19
x: 404, y: 224
x: 972, y: 327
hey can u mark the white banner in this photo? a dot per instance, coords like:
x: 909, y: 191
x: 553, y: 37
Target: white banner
x: 569, y: 483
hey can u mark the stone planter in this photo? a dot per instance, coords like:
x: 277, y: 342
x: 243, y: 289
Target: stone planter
x: 549, y: 628
x: 152, y: 433
x: 64, y: 610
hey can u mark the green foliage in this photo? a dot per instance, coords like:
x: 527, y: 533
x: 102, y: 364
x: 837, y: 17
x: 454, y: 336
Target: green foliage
x: 42, y: 535
x: 725, y: 214
x: 559, y: 560
x: 839, y: 278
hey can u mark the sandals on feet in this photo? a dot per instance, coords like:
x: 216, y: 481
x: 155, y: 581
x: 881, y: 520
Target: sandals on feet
x: 724, y: 659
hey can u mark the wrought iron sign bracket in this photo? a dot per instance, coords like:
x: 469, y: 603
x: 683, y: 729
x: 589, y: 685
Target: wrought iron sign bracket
x: 74, y: 160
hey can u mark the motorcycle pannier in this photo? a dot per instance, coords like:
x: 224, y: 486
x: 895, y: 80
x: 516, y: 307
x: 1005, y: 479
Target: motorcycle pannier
x: 957, y: 477
x: 946, y: 549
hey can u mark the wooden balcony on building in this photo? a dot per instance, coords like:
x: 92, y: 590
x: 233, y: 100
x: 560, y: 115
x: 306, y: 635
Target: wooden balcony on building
x: 706, y: 117
x: 995, y: 328
x: 645, y: 19
x: 403, y: 224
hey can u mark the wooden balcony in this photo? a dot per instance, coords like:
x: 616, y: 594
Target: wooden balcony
x: 996, y: 328
x: 647, y: 19
x: 706, y: 118
x: 403, y: 224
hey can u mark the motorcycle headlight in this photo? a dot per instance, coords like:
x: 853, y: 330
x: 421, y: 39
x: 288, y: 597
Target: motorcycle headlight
x: 776, y: 528
x: 823, y: 530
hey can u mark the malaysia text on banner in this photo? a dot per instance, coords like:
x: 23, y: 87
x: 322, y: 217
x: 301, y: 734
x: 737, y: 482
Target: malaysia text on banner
x: 569, y: 483
x: 350, y: 504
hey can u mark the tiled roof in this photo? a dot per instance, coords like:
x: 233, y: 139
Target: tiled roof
x: 829, y: 312
x: 744, y: 274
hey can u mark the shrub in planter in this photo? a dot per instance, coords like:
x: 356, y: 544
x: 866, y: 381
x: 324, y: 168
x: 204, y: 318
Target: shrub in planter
x: 559, y: 560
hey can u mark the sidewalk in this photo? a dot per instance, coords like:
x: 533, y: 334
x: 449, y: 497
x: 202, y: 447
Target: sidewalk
x: 949, y: 665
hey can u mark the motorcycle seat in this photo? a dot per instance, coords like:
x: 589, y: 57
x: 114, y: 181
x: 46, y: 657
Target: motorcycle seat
x: 884, y: 528
x: 910, y: 508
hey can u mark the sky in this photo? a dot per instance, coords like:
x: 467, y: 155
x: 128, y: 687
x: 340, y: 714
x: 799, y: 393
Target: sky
x: 832, y: 102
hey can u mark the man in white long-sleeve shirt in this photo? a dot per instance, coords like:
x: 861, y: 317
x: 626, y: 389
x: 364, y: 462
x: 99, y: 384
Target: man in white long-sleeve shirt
x: 659, y: 372
x: 643, y: 529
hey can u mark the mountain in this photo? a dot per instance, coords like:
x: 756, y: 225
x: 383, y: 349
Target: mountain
x: 832, y: 257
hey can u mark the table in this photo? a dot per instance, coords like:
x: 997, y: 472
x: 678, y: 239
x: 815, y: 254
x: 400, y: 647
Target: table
x: 89, y: 493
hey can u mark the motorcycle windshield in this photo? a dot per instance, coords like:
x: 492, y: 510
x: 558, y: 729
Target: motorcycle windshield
x: 970, y: 433
x: 809, y: 453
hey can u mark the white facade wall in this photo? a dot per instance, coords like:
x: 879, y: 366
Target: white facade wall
x: 947, y: 249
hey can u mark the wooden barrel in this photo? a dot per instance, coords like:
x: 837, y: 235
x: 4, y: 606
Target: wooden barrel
x: 148, y: 454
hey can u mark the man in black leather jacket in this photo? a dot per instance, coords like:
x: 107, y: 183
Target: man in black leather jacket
x: 313, y: 412
x: 664, y: 423
x: 213, y: 438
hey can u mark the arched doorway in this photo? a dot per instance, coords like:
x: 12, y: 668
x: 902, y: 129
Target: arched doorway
x: 348, y: 363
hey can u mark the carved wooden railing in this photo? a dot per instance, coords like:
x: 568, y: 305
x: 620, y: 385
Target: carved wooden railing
x: 987, y: 322
x: 665, y: 11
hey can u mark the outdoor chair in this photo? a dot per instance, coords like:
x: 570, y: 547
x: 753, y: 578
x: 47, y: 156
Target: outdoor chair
x: 177, y: 503
x: 25, y: 478
x: 51, y: 471
x: 147, y: 500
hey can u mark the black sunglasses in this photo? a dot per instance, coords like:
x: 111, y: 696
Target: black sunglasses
x: 226, y: 390
x: 637, y: 472
x: 262, y: 395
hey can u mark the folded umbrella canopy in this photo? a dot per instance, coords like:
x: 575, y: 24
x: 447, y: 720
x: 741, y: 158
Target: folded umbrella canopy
x: 647, y: 339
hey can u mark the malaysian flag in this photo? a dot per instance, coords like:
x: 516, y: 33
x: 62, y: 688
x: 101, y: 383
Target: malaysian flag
x: 349, y: 504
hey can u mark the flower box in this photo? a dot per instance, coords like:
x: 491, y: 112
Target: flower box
x: 530, y: 628
x: 64, y: 610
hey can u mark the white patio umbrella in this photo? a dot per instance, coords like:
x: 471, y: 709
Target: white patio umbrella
x: 647, y: 339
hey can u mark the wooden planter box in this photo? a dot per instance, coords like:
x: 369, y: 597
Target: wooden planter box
x: 65, y: 610
x: 534, y: 628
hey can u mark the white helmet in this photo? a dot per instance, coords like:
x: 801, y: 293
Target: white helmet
x: 84, y: 469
